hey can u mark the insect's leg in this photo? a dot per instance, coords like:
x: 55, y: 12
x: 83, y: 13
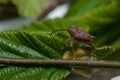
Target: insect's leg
x: 89, y: 47
x: 82, y: 44
x: 72, y: 46
x: 67, y: 42
x: 70, y: 41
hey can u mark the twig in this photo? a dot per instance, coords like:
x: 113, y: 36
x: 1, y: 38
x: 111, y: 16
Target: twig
x: 53, y: 4
x: 59, y: 62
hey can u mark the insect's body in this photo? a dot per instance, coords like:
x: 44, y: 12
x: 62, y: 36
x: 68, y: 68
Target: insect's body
x: 80, y: 34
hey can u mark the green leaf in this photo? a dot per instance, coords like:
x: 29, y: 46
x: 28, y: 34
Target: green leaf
x: 114, y: 56
x: 38, y: 41
x: 6, y: 54
x: 103, y: 52
x: 19, y: 49
x: 33, y: 73
x: 29, y: 8
x: 34, y: 44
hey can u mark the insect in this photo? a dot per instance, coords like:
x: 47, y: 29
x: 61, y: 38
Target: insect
x: 78, y: 34
x: 80, y: 43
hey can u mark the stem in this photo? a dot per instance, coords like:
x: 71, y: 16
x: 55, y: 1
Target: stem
x: 52, y: 5
x: 59, y: 62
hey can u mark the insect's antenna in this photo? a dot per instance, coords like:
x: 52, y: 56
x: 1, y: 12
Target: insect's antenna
x: 57, y: 31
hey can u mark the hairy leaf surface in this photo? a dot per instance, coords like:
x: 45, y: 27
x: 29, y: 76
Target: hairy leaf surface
x: 25, y: 44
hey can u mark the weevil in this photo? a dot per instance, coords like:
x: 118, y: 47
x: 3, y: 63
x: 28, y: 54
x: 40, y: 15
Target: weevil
x: 78, y: 34
x: 82, y: 43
